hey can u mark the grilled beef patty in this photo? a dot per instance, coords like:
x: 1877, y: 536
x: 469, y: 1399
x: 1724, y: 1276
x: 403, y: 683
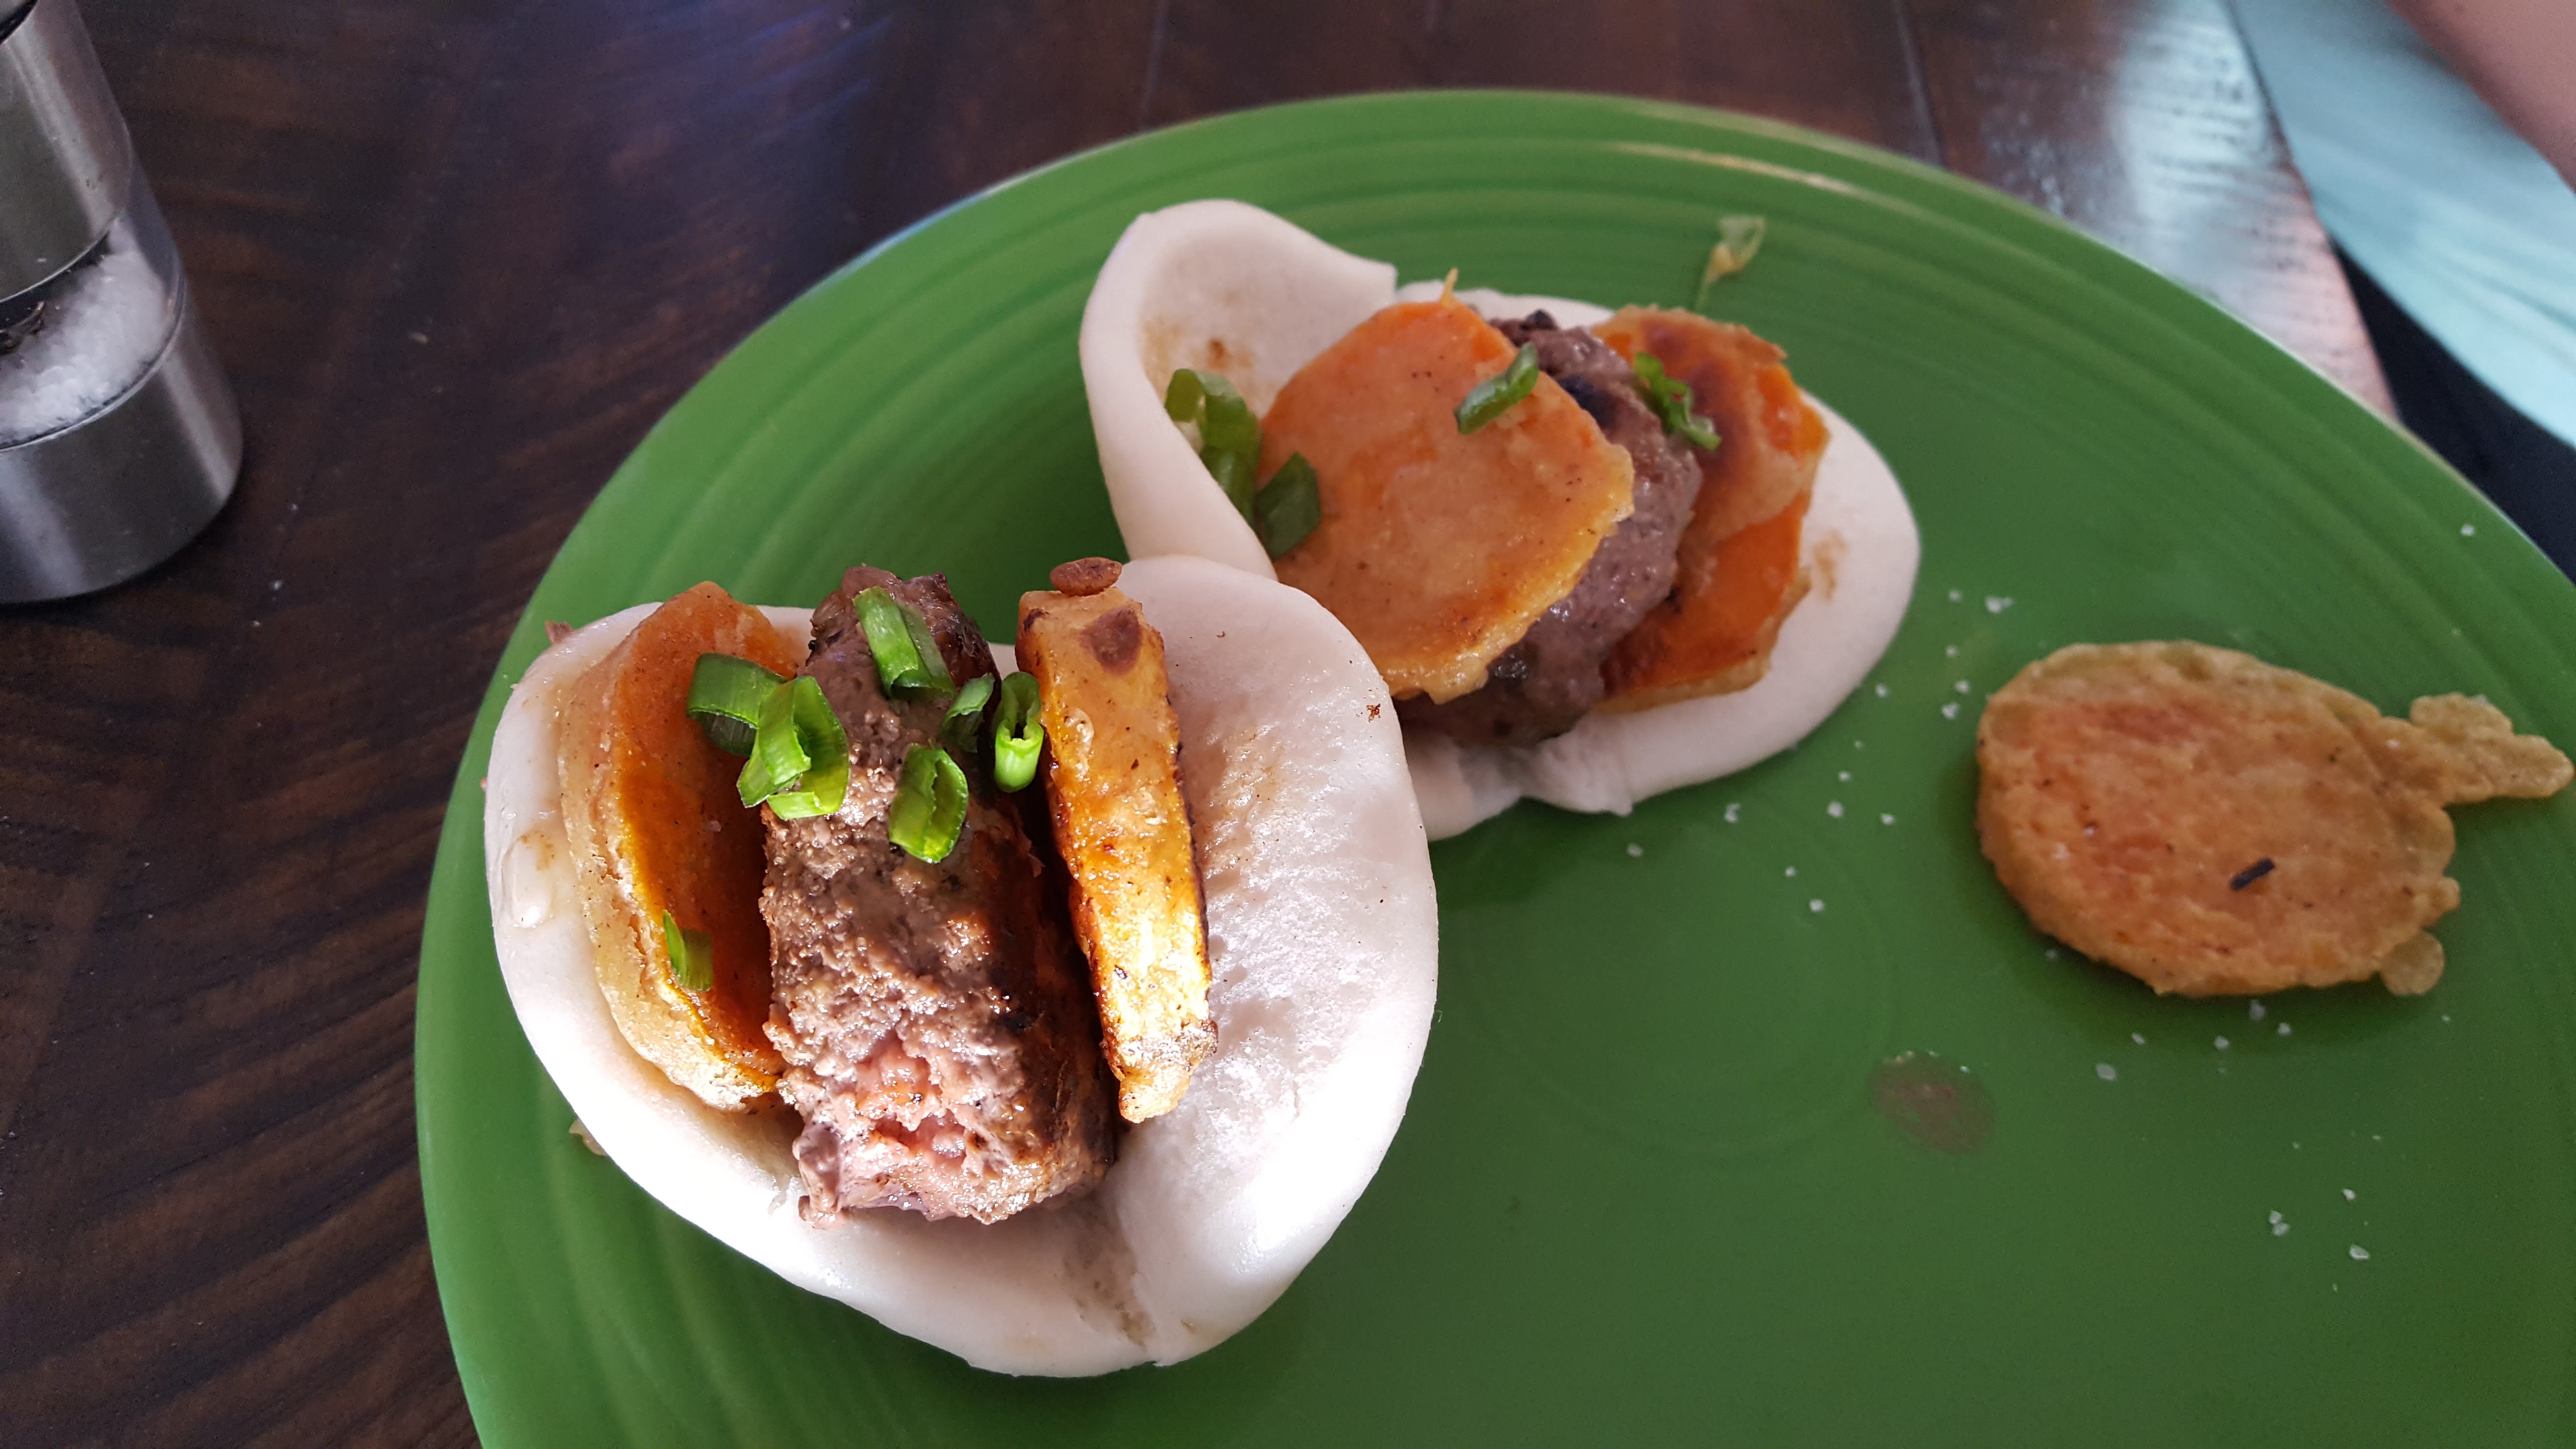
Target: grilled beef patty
x: 937, y: 1022
x: 1542, y: 685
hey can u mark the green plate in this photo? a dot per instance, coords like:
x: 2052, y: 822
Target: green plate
x: 1645, y: 1191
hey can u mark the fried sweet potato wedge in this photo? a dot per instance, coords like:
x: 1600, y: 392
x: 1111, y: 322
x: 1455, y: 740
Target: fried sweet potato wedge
x: 656, y: 824
x: 1738, y: 572
x: 2214, y: 825
x: 1113, y: 787
x: 1439, y: 549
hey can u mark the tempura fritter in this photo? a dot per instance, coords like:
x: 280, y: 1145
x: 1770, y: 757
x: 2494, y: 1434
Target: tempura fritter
x: 2214, y: 825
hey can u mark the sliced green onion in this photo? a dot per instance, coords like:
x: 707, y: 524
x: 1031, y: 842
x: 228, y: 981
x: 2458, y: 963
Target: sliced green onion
x: 1233, y: 473
x: 1229, y: 435
x: 929, y: 804
x: 1288, y: 507
x: 908, y: 662
x: 825, y: 782
x: 965, y: 717
x: 1738, y: 238
x: 1672, y: 398
x: 693, y: 955
x: 800, y: 756
x: 1494, y: 396
x: 1018, y: 736
x: 725, y: 696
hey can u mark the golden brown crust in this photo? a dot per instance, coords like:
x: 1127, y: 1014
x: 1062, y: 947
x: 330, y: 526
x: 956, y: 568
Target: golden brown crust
x: 1438, y: 549
x: 2215, y: 825
x: 655, y: 824
x: 1123, y: 829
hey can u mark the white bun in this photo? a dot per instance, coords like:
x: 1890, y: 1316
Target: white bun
x: 1324, y: 941
x: 1859, y: 543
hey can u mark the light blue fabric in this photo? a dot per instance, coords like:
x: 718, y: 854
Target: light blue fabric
x: 2458, y: 218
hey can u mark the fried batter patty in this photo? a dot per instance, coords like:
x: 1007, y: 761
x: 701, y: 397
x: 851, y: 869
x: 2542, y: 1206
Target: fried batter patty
x: 2216, y: 826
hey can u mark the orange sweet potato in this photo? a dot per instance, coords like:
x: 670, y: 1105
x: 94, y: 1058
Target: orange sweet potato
x: 656, y: 824
x: 1438, y: 549
x: 1739, y: 574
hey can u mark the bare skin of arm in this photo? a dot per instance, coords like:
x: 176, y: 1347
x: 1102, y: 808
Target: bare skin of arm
x: 2518, y: 54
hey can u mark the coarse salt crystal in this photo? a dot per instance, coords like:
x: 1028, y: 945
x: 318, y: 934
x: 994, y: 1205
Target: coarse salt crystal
x: 1731, y: 813
x: 2139, y: 1037
x: 1815, y: 906
x: 1956, y: 596
x: 2255, y: 1011
x: 1887, y: 820
x: 2348, y: 1194
x: 2106, y: 1071
x: 1834, y: 808
x: 1950, y: 710
x: 1997, y: 603
x: 1635, y: 850
x: 2222, y: 1043
x: 2360, y: 1254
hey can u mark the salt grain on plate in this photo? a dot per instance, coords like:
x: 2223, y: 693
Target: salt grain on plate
x: 2254, y: 1011
x: 1951, y: 652
x: 1956, y: 596
x: 1887, y: 820
x: 1731, y: 813
x: 2468, y: 530
x: 1845, y: 776
x: 2139, y: 1037
x: 1996, y: 603
x: 1961, y: 686
x: 2222, y: 1043
x: 1635, y: 850
x: 1834, y: 808
x: 2347, y: 1194
x: 2285, y: 1028
x: 1882, y: 691
x: 2360, y: 1254
x: 1791, y: 873
x: 1950, y: 710
x: 1814, y: 906
x: 2106, y: 1071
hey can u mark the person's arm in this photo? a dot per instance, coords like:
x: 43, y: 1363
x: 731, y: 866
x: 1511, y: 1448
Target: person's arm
x: 2518, y: 54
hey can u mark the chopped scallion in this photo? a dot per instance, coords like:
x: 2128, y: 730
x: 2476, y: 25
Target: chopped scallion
x: 1494, y: 396
x: 1288, y: 507
x: 966, y: 714
x: 800, y: 757
x: 908, y: 662
x: 1018, y: 736
x: 693, y: 955
x: 1672, y: 398
x: 1229, y: 435
x: 725, y: 696
x: 929, y: 804
x: 1738, y: 238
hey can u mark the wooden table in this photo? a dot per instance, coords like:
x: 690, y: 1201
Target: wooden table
x: 458, y: 255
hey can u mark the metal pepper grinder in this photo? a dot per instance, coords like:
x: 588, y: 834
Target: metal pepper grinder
x: 119, y: 439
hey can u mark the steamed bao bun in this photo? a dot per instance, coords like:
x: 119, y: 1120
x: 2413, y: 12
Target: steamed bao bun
x: 1230, y: 288
x: 1322, y: 936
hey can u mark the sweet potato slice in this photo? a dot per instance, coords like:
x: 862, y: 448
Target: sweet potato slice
x: 1714, y: 634
x: 1739, y: 573
x: 656, y: 824
x: 1437, y: 549
x: 1769, y: 438
x: 1114, y: 788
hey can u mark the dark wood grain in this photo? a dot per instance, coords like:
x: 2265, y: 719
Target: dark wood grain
x: 458, y: 255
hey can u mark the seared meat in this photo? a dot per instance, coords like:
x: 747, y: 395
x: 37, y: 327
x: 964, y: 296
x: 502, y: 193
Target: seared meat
x: 1545, y: 683
x: 937, y: 1021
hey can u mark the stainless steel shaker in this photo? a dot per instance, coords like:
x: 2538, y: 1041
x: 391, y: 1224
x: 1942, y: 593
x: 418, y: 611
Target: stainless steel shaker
x: 119, y: 439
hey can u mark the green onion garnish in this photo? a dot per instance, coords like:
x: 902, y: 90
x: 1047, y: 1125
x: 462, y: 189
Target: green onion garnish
x: 1288, y: 507
x: 1494, y: 396
x: 1738, y: 238
x: 908, y: 661
x: 1018, y: 736
x: 693, y: 955
x: 966, y: 714
x: 1229, y: 435
x: 800, y: 756
x: 1672, y: 397
x: 929, y: 804
x: 725, y: 696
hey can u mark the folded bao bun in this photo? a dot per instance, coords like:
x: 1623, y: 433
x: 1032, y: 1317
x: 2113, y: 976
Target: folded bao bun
x: 1230, y: 288
x: 1323, y: 941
